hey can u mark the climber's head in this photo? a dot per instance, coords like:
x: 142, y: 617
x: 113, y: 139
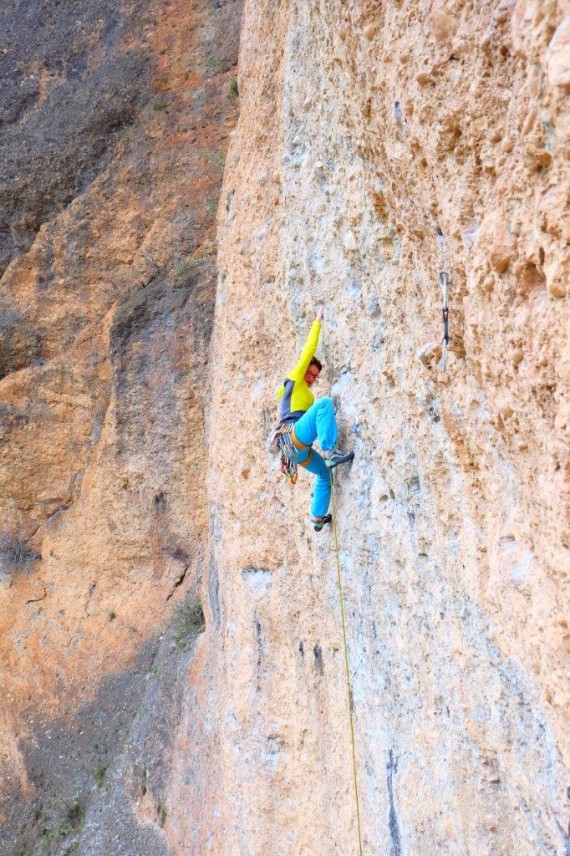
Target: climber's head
x: 313, y: 371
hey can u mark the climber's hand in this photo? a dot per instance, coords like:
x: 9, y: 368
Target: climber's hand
x: 320, y: 312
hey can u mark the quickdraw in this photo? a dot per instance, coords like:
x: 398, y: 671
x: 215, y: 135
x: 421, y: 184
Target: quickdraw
x: 444, y: 279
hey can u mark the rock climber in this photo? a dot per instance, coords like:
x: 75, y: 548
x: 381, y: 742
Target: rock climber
x: 304, y: 420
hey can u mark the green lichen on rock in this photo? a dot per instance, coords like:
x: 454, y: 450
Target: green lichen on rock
x: 188, y: 621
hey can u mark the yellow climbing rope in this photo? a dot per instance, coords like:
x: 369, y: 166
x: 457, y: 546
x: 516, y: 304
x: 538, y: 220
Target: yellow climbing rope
x: 348, y: 682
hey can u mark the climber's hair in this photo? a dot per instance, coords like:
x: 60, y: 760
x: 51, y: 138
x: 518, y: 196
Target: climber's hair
x: 316, y: 362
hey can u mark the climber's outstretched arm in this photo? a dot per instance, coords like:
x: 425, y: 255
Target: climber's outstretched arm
x: 308, y: 352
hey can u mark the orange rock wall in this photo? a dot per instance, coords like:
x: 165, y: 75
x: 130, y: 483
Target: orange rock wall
x: 103, y: 516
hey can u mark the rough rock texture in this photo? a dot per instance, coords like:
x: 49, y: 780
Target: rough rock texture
x: 378, y: 144
x: 111, y: 173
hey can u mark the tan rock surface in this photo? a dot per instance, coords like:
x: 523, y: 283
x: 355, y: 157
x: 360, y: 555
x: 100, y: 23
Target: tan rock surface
x: 365, y: 132
x: 377, y: 145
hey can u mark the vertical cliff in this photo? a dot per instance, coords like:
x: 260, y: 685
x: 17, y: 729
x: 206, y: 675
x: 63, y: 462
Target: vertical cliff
x: 378, y: 146
x: 115, y: 125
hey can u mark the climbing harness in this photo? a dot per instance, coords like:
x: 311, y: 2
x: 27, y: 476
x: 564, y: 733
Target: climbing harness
x: 444, y: 280
x: 285, y: 440
x: 348, y: 682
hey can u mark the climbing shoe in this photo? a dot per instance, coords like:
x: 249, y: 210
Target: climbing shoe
x: 319, y: 522
x: 337, y: 457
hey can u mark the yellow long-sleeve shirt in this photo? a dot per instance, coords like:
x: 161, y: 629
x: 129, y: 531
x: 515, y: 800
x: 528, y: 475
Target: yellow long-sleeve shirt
x: 295, y: 395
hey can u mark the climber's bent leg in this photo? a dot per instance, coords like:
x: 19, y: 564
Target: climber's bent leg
x: 318, y: 422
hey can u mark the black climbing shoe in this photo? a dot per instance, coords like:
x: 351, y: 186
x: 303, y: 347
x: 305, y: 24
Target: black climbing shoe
x: 336, y: 457
x: 319, y: 522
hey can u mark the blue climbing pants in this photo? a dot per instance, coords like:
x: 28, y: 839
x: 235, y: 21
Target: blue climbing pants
x: 318, y: 422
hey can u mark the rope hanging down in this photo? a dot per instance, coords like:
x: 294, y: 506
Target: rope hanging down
x: 348, y: 683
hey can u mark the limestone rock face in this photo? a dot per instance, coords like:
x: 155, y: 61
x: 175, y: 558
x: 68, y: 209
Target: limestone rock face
x: 111, y: 170
x: 378, y: 146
